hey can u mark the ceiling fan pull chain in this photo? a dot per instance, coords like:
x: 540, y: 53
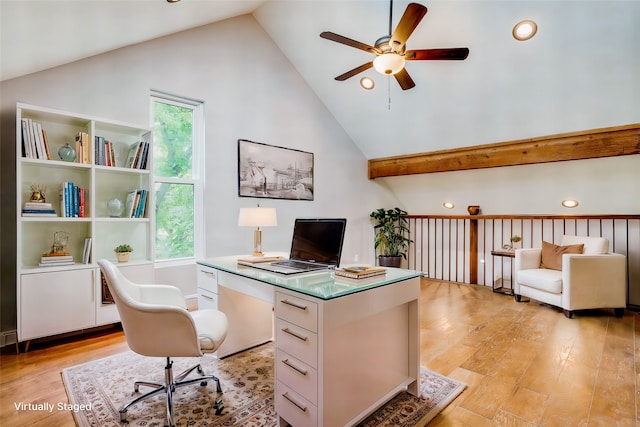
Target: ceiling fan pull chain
x: 389, y: 92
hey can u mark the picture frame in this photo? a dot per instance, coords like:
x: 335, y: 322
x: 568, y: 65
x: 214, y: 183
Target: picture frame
x: 272, y: 172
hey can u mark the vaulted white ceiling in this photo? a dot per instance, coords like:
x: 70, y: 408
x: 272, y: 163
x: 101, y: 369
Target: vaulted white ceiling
x: 504, y: 90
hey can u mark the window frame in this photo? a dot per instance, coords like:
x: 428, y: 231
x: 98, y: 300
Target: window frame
x: 197, y: 179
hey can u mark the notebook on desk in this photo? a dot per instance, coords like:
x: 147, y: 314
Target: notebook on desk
x: 316, y: 245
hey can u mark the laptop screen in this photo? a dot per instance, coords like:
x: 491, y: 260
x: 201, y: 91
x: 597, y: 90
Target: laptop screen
x: 318, y: 240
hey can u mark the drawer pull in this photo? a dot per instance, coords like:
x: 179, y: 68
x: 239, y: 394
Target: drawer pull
x: 294, y: 334
x: 293, y: 304
x: 207, y: 297
x: 292, y: 366
x: 209, y: 273
x: 301, y: 407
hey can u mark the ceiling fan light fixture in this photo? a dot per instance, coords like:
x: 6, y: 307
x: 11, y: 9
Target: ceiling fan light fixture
x: 524, y: 30
x: 367, y: 83
x: 389, y: 63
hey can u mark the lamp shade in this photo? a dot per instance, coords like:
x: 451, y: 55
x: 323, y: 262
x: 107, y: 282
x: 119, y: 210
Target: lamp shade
x: 257, y: 217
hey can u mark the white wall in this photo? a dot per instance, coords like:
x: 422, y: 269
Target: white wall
x: 252, y: 93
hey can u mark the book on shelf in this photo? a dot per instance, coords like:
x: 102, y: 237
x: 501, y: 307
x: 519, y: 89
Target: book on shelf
x: 86, y: 251
x: 72, y: 200
x: 138, y: 153
x: 360, y: 272
x: 104, y: 152
x: 135, y: 204
x: 34, y: 141
x: 83, y: 148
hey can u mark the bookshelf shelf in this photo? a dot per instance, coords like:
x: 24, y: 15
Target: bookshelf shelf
x: 104, y: 151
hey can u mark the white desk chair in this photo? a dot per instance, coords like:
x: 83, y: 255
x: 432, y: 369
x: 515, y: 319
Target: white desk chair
x: 156, y: 323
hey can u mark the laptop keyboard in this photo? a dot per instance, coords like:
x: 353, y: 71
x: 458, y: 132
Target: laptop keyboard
x: 298, y: 265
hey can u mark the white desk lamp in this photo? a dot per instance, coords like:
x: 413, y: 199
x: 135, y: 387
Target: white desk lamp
x: 257, y: 217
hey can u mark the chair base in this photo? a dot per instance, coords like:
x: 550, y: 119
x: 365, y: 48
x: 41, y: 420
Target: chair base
x: 169, y: 387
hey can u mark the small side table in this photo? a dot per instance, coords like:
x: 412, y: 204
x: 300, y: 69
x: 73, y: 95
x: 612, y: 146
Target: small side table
x: 499, y: 285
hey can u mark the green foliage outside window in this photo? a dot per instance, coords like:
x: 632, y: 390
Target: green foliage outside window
x: 173, y: 147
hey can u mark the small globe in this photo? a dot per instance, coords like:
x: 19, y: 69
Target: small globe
x: 115, y: 207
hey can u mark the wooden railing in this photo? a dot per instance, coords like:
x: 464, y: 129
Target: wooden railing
x: 458, y: 248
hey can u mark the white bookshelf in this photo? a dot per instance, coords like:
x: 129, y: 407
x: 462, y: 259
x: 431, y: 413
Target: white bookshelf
x: 60, y: 299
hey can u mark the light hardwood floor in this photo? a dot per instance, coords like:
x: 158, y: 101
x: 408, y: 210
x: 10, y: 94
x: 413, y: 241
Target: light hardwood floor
x: 525, y: 364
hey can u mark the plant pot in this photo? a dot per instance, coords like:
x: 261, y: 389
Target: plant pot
x: 389, y: 261
x: 123, y: 256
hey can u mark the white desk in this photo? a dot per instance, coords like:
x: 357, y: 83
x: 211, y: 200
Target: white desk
x: 343, y: 347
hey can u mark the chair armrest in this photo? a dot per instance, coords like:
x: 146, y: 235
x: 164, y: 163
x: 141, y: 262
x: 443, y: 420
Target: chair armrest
x: 594, y: 280
x: 527, y: 258
x: 162, y: 295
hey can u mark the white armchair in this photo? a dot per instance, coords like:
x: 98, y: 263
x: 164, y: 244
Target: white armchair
x: 156, y: 323
x: 594, y: 278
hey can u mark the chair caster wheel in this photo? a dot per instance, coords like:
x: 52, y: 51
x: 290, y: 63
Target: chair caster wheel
x: 218, y: 406
x: 204, y: 383
x: 123, y: 418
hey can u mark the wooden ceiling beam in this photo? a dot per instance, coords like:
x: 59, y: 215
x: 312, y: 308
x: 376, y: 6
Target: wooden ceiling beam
x: 604, y: 142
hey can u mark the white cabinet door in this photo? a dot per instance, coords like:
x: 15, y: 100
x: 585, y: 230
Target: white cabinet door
x: 56, y: 302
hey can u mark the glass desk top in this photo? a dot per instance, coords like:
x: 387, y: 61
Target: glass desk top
x: 323, y: 284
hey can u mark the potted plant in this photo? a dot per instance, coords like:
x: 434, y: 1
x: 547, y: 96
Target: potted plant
x: 515, y: 241
x: 392, y: 236
x: 122, y: 252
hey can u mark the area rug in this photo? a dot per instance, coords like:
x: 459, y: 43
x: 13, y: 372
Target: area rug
x: 99, y: 388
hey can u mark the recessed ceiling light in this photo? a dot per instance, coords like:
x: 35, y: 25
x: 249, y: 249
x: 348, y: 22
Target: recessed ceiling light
x: 524, y: 30
x: 569, y: 203
x: 449, y: 205
x: 367, y: 83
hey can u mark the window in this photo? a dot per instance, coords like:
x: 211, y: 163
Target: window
x: 178, y: 141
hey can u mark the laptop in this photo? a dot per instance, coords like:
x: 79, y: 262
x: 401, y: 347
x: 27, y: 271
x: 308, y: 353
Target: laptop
x: 316, y: 245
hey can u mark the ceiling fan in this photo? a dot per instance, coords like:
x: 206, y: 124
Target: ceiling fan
x: 390, y: 50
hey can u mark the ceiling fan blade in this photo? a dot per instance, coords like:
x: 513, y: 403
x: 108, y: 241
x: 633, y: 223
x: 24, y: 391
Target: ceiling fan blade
x: 357, y: 70
x: 404, y: 79
x: 347, y: 41
x: 454, y: 53
x: 409, y: 21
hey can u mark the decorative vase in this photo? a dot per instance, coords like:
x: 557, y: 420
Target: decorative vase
x: 123, y: 256
x: 115, y: 207
x: 473, y: 209
x: 67, y: 153
x: 389, y: 261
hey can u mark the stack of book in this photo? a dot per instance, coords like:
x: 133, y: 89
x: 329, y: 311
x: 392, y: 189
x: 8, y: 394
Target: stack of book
x: 360, y: 272
x: 55, y: 260
x: 38, y: 209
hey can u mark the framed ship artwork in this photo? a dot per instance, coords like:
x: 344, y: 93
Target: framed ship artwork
x: 272, y: 172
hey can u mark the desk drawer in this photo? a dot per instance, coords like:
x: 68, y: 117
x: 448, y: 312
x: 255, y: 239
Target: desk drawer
x: 297, y: 375
x: 293, y: 408
x: 300, y: 312
x: 207, y: 278
x: 297, y: 341
x: 207, y: 300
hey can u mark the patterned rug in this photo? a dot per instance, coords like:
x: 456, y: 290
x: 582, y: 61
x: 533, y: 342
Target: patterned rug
x: 99, y: 388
